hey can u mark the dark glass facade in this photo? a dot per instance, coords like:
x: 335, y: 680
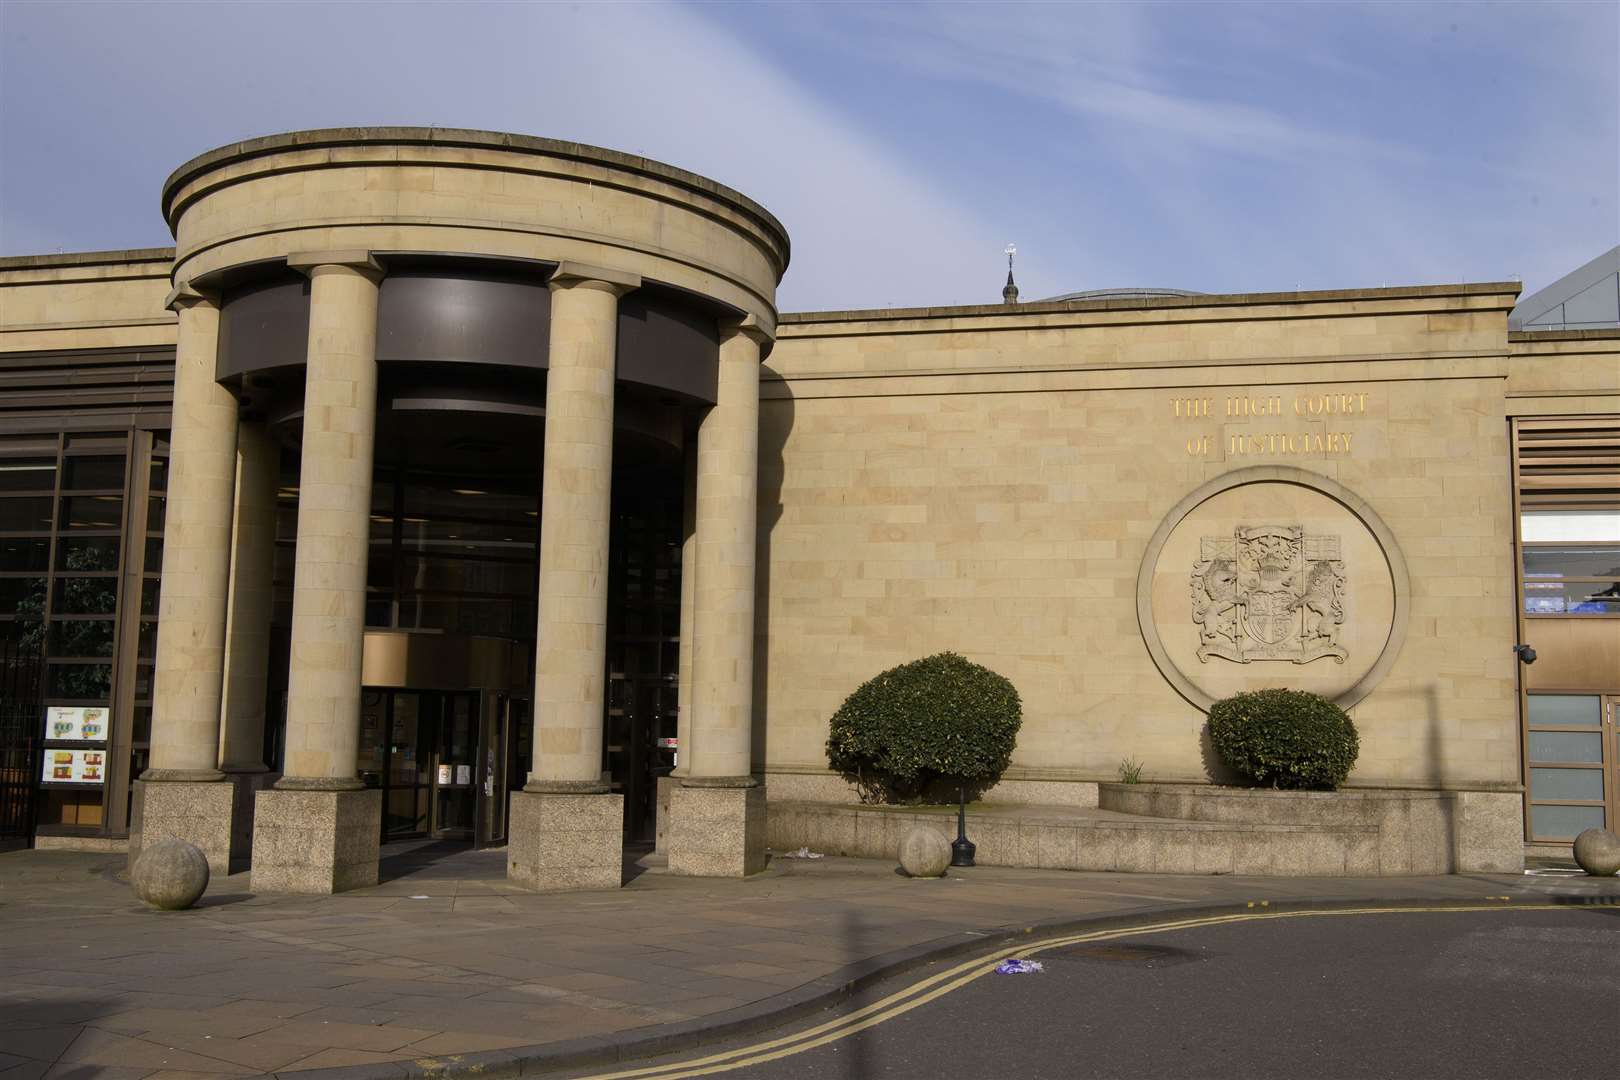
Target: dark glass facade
x: 81, y: 542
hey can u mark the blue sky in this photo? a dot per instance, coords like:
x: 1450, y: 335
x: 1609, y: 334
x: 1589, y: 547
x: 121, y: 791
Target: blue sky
x: 1217, y: 147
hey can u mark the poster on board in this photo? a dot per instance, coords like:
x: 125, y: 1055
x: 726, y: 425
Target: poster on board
x: 75, y: 767
x: 75, y: 724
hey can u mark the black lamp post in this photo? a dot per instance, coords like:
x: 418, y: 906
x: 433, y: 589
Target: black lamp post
x: 961, y: 848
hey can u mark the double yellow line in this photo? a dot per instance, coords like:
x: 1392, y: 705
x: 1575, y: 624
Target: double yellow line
x: 938, y: 985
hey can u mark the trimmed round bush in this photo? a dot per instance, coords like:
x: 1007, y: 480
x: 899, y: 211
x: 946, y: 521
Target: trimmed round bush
x: 922, y: 729
x: 1285, y: 739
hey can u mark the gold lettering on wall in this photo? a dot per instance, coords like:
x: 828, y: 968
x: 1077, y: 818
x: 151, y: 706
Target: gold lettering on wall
x: 1318, y: 405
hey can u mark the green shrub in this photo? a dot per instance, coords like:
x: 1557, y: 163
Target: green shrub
x: 1285, y: 739
x: 919, y: 730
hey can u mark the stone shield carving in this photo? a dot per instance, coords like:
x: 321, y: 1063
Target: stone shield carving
x: 1272, y: 563
x: 1269, y: 592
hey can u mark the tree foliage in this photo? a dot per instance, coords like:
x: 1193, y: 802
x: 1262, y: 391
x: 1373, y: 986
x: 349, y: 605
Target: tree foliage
x: 1285, y: 739
x: 920, y: 730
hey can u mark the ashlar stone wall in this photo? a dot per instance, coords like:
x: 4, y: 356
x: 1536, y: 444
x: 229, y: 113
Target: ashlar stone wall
x: 987, y: 480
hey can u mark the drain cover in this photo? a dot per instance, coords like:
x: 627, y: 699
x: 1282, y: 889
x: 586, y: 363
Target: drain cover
x: 1138, y: 955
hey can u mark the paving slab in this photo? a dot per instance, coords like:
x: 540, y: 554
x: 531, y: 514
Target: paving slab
x: 93, y: 984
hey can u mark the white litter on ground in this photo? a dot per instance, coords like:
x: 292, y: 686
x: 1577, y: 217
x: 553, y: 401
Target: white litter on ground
x: 803, y: 853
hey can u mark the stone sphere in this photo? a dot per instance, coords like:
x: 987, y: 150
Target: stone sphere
x: 1597, y: 851
x: 170, y: 874
x: 924, y: 853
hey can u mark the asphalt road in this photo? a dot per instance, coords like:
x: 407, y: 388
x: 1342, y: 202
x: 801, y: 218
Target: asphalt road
x: 1520, y: 994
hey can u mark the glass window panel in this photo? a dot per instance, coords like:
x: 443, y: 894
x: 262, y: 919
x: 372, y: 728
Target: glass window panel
x: 93, y: 473
x: 27, y: 514
x: 23, y: 634
x: 22, y: 596
x: 85, y: 595
x: 382, y: 492
x: 1572, y: 597
x: 509, y: 540
x: 82, y: 637
x: 460, y: 614
x: 404, y: 765
x: 1560, y: 710
x: 141, y: 731
x: 154, y: 555
x: 1563, y: 822
x: 92, y: 512
x: 159, y: 476
x: 407, y: 811
x: 27, y: 474
x: 1577, y: 526
x: 286, y: 562
x: 372, y: 757
x: 87, y: 553
x: 379, y: 613
x: 287, y: 521
x: 146, y: 644
x: 143, y: 682
x: 1564, y: 784
x: 87, y: 682
x: 154, y: 513
x: 1570, y: 746
x: 1572, y: 560
x: 442, y: 497
x: 380, y: 569
x: 437, y: 574
x: 149, y: 596
x: 25, y: 553
x: 281, y: 606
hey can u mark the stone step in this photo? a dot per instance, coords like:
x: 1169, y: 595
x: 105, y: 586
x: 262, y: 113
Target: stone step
x: 1072, y: 838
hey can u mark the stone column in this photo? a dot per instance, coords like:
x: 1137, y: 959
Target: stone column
x: 181, y: 793
x: 718, y: 813
x: 247, y: 627
x: 317, y: 830
x: 565, y: 829
x: 683, y: 678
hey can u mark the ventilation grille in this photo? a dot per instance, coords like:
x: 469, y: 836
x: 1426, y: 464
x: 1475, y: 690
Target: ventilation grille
x: 1571, y: 463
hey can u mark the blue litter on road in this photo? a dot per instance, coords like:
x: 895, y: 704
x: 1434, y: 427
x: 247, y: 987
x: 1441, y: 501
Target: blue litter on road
x: 1019, y: 967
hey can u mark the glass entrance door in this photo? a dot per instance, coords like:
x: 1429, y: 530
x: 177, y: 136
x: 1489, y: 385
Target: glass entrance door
x: 433, y: 754
x: 456, y: 760
x: 1573, y: 753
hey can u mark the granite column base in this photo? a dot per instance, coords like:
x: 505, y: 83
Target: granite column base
x: 717, y: 831
x: 315, y: 841
x: 560, y: 842
x: 198, y: 812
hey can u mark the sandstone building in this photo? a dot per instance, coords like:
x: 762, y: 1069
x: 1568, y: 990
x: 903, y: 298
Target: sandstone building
x: 456, y: 484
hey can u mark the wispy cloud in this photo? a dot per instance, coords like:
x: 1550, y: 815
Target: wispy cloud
x: 1222, y: 147
x: 1237, y: 146
x: 85, y: 160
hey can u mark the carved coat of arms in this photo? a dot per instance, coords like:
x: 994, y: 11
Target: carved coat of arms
x: 1269, y: 593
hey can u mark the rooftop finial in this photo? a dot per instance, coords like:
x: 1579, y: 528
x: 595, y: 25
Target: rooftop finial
x: 1009, y: 293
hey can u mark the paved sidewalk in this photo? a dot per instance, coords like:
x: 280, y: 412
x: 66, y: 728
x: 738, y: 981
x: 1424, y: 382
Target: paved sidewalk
x: 447, y: 959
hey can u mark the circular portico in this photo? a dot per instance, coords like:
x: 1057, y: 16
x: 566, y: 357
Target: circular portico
x: 339, y: 287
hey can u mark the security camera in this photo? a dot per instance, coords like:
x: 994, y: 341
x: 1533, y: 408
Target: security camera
x: 1525, y: 653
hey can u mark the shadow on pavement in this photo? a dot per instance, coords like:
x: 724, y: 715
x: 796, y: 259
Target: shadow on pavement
x: 437, y: 859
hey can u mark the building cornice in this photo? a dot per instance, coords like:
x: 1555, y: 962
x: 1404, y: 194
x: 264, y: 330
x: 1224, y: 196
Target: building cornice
x: 1508, y: 290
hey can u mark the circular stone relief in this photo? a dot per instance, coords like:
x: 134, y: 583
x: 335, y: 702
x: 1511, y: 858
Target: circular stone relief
x: 1272, y: 576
